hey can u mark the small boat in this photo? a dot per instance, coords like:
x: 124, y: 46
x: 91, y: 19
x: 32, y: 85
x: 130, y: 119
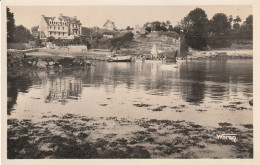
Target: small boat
x: 169, y: 66
x: 154, y: 52
x: 119, y: 58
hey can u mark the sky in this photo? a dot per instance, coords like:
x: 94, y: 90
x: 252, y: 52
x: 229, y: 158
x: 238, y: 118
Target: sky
x: 122, y: 16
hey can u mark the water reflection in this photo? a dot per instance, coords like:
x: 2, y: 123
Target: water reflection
x: 62, y: 89
x: 192, y: 81
x: 17, y: 82
x: 193, y: 87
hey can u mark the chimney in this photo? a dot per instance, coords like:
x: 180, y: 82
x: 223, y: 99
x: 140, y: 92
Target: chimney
x: 75, y: 17
x: 60, y: 14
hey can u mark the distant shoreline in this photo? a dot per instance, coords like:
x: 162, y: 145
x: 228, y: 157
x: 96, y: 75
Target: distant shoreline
x: 102, y: 54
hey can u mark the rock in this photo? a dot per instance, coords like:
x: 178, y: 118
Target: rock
x: 251, y: 102
x: 51, y: 63
x: 42, y: 64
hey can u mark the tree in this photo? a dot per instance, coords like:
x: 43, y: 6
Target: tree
x: 230, y: 20
x: 148, y: 30
x: 246, y: 30
x: 195, y: 29
x: 147, y: 24
x: 168, y: 23
x: 123, y: 41
x: 170, y: 28
x: 163, y: 24
x: 236, y: 25
x: 155, y: 26
x: 38, y: 41
x: 237, y: 20
x: 128, y: 28
x: 249, y: 20
x: 50, y: 39
x: 34, y: 28
x: 163, y: 28
x: 10, y: 26
x: 219, y: 24
x: 171, y: 34
x: 219, y: 30
x: 249, y: 26
x: 22, y: 34
x: 177, y: 29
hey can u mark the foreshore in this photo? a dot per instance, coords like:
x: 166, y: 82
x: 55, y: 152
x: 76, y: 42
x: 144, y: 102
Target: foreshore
x: 112, y: 137
x: 48, y: 58
x: 233, y: 54
x: 101, y: 54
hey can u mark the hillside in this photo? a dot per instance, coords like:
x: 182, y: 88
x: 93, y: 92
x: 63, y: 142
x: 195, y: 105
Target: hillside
x: 143, y: 45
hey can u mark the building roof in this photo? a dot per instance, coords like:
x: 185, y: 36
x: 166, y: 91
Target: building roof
x: 108, y: 21
x: 71, y: 19
x: 48, y: 18
x: 66, y: 18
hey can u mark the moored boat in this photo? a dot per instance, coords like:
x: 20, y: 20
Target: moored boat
x: 169, y: 66
x: 119, y: 58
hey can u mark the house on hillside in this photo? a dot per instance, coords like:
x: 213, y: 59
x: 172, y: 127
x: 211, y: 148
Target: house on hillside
x: 139, y: 30
x: 109, y: 25
x: 61, y: 26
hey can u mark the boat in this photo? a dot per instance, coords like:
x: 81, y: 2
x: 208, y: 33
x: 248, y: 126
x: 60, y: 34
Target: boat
x: 154, y: 52
x: 169, y: 66
x: 119, y: 58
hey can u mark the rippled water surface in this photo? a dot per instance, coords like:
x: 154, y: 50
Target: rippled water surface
x: 205, y: 92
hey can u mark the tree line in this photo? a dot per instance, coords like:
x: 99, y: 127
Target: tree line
x: 16, y: 34
x: 200, y: 33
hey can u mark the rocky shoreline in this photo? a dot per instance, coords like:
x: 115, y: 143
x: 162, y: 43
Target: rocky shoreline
x: 41, y: 59
x: 221, y: 54
x: 18, y: 59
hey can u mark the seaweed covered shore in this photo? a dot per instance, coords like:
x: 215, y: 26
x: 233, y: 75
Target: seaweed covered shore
x: 74, y: 136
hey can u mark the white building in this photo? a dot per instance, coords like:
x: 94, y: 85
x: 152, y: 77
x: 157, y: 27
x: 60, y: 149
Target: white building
x: 109, y: 25
x: 63, y: 27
